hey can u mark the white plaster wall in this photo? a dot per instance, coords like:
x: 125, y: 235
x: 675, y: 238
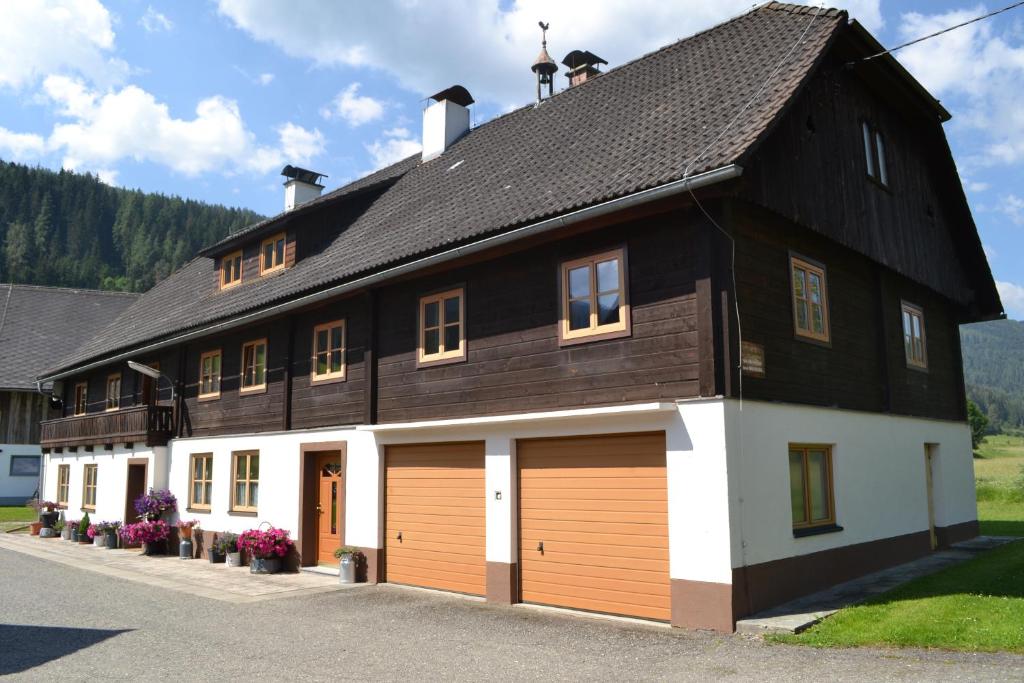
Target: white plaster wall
x: 878, y: 472
x: 111, y: 478
x: 501, y: 479
x: 17, y: 487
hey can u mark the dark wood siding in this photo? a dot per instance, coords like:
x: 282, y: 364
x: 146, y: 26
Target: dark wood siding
x: 863, y: 367
x: 514, y: 361
x: 20, y: 414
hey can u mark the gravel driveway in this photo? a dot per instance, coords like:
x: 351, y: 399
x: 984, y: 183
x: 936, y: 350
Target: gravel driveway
x: 59, y: 623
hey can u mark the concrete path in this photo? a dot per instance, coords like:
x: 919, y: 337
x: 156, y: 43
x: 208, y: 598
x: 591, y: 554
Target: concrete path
x: 802, y: 613
x: 197, y: 577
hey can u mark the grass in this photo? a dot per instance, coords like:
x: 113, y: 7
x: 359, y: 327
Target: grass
x: 17, y: 513
x: 975, y: 606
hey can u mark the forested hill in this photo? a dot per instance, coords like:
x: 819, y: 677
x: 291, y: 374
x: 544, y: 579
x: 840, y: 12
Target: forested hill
x: 70, y: 229
x: 994, y: 370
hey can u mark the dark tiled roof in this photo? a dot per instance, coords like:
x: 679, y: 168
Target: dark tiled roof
x: 39, y: 324
x: 632, y: 128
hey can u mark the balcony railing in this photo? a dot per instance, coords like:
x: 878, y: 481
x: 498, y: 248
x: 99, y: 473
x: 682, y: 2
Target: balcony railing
x: 151, y: 425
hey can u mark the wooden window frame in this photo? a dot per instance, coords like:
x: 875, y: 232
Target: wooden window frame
x: 106, y: 401
x: 328, y: 376
x: 443, y: 356
x: 255, y: 388
x: 810, y: 266
x: 274, y: 267
x: 876, y: 162
x: 210, y: 395
x: 63, y: 485
x: 596, y: 332
x: 809, y: 525
x: 235, y: 506
x: 84, y: 386
x: 86, y: 486
x: 913, y: 310
x: 208, y: 479
x: 224, y: 261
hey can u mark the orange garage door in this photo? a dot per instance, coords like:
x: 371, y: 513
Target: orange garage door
x: 599, y: 507
x: 434, y: 528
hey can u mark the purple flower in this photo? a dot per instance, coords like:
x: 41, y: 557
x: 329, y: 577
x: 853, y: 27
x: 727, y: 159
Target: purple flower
x: 153, y: 504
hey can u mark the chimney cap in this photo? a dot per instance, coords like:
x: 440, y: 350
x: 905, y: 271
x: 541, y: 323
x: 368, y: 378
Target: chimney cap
x: 578, y: 58
x: 456, y: 94
x: 302, y: 175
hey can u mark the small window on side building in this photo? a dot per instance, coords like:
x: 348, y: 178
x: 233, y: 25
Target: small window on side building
x: 81, y: 398
x: 914, y: 345
x: 329, y: 351
x: 442, y: 328
x: 254, y: 366
x: 272, y: 254
x: 231, y: 270
x: 209, y: 375
x: 810, y: 300
x: 113, y: 391
x: 874, y: 154
x: 594, y: 299
x: 810, y: 487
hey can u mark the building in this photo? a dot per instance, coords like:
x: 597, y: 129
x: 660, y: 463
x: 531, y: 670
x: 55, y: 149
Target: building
x: 38, y: 325
x: 679, y: 342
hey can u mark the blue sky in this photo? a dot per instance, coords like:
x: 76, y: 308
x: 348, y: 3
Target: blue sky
x: 209, y: 99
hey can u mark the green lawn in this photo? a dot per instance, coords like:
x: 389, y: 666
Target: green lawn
x: 17, y: 513
x: 978, y: 605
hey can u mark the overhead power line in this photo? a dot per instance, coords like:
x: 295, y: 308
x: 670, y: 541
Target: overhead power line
x: 939, y: 33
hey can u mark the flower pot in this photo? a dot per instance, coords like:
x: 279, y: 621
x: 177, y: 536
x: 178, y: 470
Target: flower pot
x: 264, y: 565
x: 48, y: 519
x: 215, y: 557
x: 83, y: 539
x: 47, y: 532
x: 98, y: 541
x: 35, y: 527
x: 233, y: 559
x: 155, y: 548
x: 347, y: 568
x: 185, y: 549
x: 185, y: 533
x: 74, y: 535
x: 110, y: 539
x: 65, y: 533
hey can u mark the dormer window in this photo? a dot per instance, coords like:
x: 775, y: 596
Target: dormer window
x: 272, y: 254
x: 231, y: 270
x: 874, y: 153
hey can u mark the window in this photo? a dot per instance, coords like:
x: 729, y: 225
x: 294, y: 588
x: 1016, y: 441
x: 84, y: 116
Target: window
x: 810, y: 300
x: 254, y: 366
x: 81, y: 398
x: 24, y: 466
x: 246, y: 481
x: 913, y: 336
x: 874, y: 153
x: 201, y: 481
x: 209, y: 375
x: 442, y: 329
x: 272, y: 254
x: 114, y: 391
x: 810, y: 486
x: 593, y: 291
x: 150, y: 393
x: 89, y: 473
x: 63, y: 484
x: 329, y: 351
x: 231, y: 269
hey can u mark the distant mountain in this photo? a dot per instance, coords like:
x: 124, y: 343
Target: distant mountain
x: 70, y: 229
x: 994, y: 370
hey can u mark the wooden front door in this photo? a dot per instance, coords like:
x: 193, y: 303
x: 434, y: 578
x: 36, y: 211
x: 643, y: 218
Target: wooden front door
x: 135, y: 487
x: 330, y: 503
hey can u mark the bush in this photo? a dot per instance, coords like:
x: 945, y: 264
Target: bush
x: 83, y: 526
x: 978, y: 422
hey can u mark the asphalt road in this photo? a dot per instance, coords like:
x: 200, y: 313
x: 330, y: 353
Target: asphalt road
x: 59, y: 623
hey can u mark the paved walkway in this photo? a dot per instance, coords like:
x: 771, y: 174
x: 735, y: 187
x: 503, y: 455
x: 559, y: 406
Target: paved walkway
x: 800, y: 614
x: 196, y: 577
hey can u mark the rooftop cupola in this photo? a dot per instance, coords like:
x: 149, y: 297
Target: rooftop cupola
x: 582, y: 66
x: 544, y: 66
x: 445, y: 120
x: 302, y: 186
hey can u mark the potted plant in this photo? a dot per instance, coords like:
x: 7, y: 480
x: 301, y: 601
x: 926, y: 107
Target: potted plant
x: 73, y: 535
x: 95, y: 534
x: 60, y: 528
x: 83, y: 530
x: 151, y: 506
x: 185, y: 535
x: 110, y: 530
x: 265, y: 548
x: 47, y: 517
x: 151, y: 534
x: 349, y: 558
x: 226, y: 546
x: 65, y: 528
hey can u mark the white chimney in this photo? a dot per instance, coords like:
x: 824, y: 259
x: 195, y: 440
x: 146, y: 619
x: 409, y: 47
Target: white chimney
x: 301, y: 186
x: 445, y: 121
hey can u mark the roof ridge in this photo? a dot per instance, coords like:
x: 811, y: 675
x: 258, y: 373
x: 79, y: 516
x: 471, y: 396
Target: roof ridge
x: 77, y: 290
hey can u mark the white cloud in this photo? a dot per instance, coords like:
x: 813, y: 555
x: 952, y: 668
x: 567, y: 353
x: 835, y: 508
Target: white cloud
x: 397, y: 144
x: 154, y: 21
x: 105, y: 128
x: 983, y: 68
x: 427, y: 46
x: 1013, y: 299
x: 265, y: 79
x: 39, y: 38
x: 107, y: 176
x: 21, y: 146
x: 354, y: 108
x: 1013, y: 207
x: 974, y: 186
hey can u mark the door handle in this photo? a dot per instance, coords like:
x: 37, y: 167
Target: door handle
x: 319, y: 509
x: 540, y: 547
x: 399, y: 536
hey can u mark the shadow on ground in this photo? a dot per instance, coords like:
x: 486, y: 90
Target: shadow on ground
x: 24, y: 647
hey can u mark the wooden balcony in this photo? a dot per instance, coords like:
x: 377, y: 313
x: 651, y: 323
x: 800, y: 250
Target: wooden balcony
x: 151, y: 425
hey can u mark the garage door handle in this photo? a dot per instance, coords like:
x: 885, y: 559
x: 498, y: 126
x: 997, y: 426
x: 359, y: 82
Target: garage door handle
x: 540, y: 547
x: 399, y: 536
